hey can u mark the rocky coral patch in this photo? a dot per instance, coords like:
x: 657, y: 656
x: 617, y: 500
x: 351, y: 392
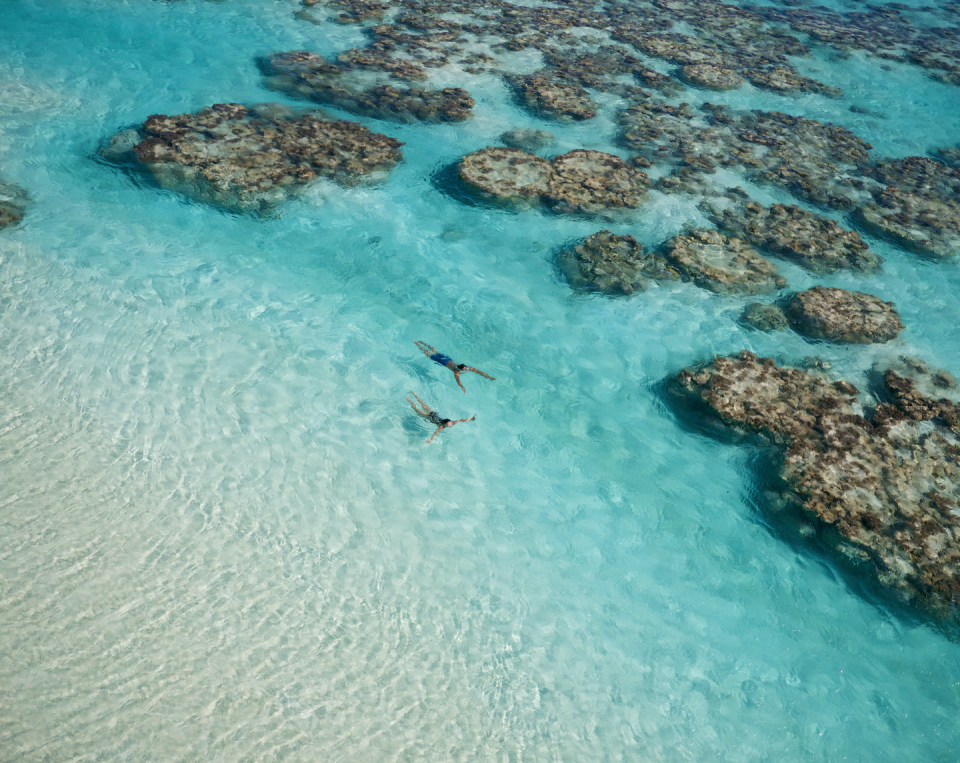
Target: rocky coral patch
x: 764, y: 317
x: 251, y: 159
x: 918, y: 206
x: 553, y: 99
x: 350, y: 87
x: 882, y: 30
x: 816, y: 243
x: 950, y: 156
x: 819, y: 162
x: 13, y: 204
x: 435, y: 36
x: 508, y: 175
x: 712, y: 77
x: 784, y: 79
x: 914, y: 201
x: 837, y: 315
x: 527, y: 139
x: 592, y: 181
x: 578, y: 181
x: 612, y: 264
x: 887, y: 489
x: 720, y: 264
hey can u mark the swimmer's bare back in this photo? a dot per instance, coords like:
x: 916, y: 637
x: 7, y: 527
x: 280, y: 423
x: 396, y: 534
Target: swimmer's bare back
x: 426, y: 412
x: 448, y: 362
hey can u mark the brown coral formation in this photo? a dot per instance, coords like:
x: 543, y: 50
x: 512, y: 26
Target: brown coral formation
x: 918, y: 206
x: 723, y: 265
x: 251, y: 159
x: 553, y: 99
x: 837, y: 315
x: 508, y: 175
x: 13, y: 204
x: 784, y: 79
x: 612, y: 264
x: 764, y: 317
x: 913, y: 201
x: 817, y: 161
x: 712, y: 77
x: 888, y: 488
x: 883, y: 31
x: 527, y: 139
x: 592, y: 181
x: 348, y: 85
x: 816, y: 243
x: 578, y: 181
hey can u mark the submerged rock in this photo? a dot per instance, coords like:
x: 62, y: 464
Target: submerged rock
x: 837, y: 315
x: 764, y: 317
x: 918, y: 206
x: 712, y: 77
x: 351, y: 86
x: 783, y: 79
x: 553, y: 99
x: 887, y: 489
x: 578, y: 181
x: 13, y: 204
x: 527, y: 139
x: 950, y: 156
x: 592, y: 181
x: 723, y: 265
x: 251, y: 159
x: 507, y: 175
x: 815, y: 242
x: 613, y: 264
x: 934, y: 384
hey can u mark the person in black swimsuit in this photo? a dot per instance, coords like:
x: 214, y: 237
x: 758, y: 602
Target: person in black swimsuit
x: 433, y: 417
x: 443, y: 360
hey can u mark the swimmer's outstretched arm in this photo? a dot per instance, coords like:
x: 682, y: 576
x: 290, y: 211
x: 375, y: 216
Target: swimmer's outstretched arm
x: 478, y: 371
x: 456, y: 375
x: 425, y: 348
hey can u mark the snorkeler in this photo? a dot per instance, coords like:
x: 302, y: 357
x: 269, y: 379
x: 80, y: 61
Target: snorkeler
x: 433, y: 417
x: 443, y: 360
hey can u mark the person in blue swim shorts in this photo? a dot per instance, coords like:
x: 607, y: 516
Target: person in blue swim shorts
x: 444, y: 360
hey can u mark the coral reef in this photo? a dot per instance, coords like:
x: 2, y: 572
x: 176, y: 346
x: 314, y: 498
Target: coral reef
x: 882, y: 31
x: 591, y: 181
x: 886, y: 490
x: 613, y: 264
x: 837, y: 315
x: 578, y: 181
x: 349, y: 86
x: 764, y: 317
x: 918, y: 206
x: 251, y: 158
x: 527, y: 139
x: 913, y: 201
x: 720, y: 264
x: 508, y: 175
x: 711, y: 77
x: 13, y: 204
x: 816, y: 243
x: 553, y: 99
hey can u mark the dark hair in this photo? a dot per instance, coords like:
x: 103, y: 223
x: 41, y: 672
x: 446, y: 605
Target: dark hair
x: 444, y: 422
x: 461, y: 366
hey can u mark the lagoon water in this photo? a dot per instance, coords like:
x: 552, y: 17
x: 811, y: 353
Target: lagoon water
x: 223, y: 538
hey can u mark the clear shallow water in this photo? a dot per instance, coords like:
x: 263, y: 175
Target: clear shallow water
x: 222, y: 535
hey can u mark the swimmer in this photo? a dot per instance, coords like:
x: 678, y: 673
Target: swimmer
x: 433, y: 417
x: 443, y: 360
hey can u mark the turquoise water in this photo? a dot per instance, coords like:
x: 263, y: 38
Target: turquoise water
x: 222, y: 536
